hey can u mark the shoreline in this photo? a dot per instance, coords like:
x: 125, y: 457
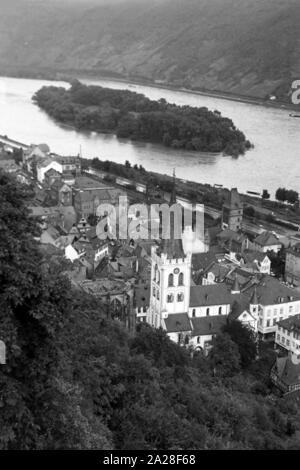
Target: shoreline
x: 209, y: 93
x: 218, y: 94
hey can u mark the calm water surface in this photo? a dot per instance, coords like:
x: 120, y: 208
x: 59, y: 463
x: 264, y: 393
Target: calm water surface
x: 272, y: 163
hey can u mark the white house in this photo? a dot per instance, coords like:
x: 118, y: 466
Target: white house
x: 267, y: 241
x: 45, y: 165
x: 287, y: 334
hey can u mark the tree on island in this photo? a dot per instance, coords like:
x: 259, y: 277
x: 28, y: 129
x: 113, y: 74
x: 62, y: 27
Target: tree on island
x: 134, y: 116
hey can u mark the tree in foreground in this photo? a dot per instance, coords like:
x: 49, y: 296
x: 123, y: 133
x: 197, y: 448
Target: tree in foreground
x: 245, y: 340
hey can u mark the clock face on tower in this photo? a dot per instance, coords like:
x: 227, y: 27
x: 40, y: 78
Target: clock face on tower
x: 176, y: 270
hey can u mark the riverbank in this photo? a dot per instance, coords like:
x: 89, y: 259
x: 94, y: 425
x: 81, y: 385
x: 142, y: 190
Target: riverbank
x: 209, y: 93
x: 68, y: 76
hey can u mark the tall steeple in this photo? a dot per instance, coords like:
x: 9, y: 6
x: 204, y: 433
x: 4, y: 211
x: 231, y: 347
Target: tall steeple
x: 173, y: 246
x: 173, y: 193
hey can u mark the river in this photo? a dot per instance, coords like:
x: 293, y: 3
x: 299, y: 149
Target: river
x: 272, y: 163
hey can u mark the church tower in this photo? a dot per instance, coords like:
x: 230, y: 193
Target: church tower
x: 170, y: 271
x: 232, y: 213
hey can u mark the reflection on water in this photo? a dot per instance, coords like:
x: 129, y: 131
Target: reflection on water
x: 272, y: 163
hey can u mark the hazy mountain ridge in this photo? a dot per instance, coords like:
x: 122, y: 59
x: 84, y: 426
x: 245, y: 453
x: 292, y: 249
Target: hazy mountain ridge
x: 249, y: 48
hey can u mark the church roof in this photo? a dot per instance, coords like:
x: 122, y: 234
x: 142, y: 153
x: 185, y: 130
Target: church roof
x: 203, y: 326
x: 177, y: 322
x: 215, y: 294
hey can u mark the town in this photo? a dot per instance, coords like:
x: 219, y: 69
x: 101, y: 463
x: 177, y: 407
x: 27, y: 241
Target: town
x: 190, y: 287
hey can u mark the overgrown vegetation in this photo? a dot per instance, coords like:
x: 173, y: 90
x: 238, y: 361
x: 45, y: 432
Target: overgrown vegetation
x: 74, y: 379
x: 132, y: 115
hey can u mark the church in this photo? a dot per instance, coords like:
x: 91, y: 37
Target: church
x: 191, y: 314
x: 194, y: 314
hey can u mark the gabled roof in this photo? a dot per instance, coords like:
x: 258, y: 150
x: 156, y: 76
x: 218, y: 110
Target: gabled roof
x: 204, y: 326
x: 239, y: 306
x: 270, y: 291
x: 178, y: 322
x: 216, y: 294
x: 201, y: 261
x: 267, y: 239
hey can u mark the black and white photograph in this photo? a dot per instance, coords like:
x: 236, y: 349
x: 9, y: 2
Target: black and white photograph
x: 149, y: 229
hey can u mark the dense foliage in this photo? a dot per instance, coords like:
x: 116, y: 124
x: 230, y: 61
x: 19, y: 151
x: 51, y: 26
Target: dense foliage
x: 75, y: 379
x: 287, y: 195
x: 132, y: 115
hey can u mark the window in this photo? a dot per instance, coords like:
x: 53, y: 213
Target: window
x: 278, y: 337
x: 154, y: 291
x: 287, y: 342
x: 180, y: 279
x: 171, y: 280
x: 268, y: 323
x: 220, y: 310
x: 198, y: 339
x: 157, y: 295
x: 194, y: 312
x: 207, y: 312
x: 170, y: 298
x: 180, y: 297
x: 291, y: 309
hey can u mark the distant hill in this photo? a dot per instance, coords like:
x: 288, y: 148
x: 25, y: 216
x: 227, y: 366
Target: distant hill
x: 248, y: 47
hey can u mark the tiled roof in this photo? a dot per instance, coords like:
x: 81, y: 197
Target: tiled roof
x: 251, y: 255
x: 88, y: 183
x: 89, y: 196
x: 231, y: 235
x: 217, y: 294
x: 201, y: 261
x: 291, y: 323
x: 220, y: 270
x: 267, y: 239
x: 270, y: 290
x: 142, y: 295
x: 203, y: 326
x: 239, y: 306
x: 178, y: 322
